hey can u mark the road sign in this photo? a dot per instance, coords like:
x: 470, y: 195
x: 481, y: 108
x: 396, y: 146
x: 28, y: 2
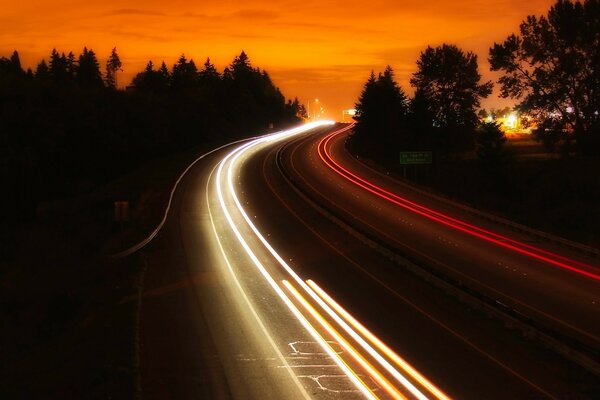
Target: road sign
x: 416, y: 157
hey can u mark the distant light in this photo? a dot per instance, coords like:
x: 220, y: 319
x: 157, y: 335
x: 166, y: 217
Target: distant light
x: 511, y: 121
x: 569, y: 109
x: 351, y: 111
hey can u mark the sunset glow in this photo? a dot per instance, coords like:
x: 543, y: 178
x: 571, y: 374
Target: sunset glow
x: 311, y: 49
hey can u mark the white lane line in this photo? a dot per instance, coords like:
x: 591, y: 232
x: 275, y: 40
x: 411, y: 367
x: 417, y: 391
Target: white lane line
x: 381, y: 360
x: 260, y: 323
x: 235, y: 154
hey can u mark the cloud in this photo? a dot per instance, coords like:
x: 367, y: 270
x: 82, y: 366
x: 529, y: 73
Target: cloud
x: 253, y: 15
x: 133, y: 11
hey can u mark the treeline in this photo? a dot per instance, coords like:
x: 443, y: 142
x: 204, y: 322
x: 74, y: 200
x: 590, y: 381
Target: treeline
x: 441, y: 116
x: 65, y: 128
x: 552, y: 67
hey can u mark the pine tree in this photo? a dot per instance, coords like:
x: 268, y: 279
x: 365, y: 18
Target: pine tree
x: 88, y: 71
x: 164, y: 71
x: 71, y: 66
x: 381, y: 114
x: 58, y: 67
x: 241, y: 68
x: 42, y: 72
x: 209, y: 73
x: 113, y: 65
x: 16, y: 63
x: 185, y: 74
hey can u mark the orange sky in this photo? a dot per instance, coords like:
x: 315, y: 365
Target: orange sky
x: 323, y: 49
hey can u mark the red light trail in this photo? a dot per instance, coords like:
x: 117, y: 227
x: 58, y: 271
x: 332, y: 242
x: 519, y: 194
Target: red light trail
x: 500, y: 240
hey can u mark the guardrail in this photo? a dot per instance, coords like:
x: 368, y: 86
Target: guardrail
x: 493, y: 307
x: 152, y: 235
x: 514, y: 226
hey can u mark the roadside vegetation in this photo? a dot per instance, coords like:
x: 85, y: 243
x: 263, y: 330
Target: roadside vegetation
x: 71, y: 145
x: 552, y: 69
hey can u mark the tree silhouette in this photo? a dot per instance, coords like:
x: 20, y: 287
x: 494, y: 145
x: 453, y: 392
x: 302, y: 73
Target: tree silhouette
x: 381, y: 114
x: 113, y: 66
x: 553, y: 67
x: 88, y: 70
x: 164, y: 71
x: 11, y: 66
x: 59, y: 126
x: 448, y: 81
x: 42, y: 72
x: 58, y: 67
x: 71, y: 66
x: 490, y: 147
x: 151, y: 81
x: 16, y: 63
x: 185, y: 74
x: 241, y: 67
x: 209, y: 74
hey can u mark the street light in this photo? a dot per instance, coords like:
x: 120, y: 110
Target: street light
x: 308, y: 108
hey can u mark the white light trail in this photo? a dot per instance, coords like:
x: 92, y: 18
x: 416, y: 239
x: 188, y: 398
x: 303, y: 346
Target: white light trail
x: 312, y: 331
x: 230, y: 160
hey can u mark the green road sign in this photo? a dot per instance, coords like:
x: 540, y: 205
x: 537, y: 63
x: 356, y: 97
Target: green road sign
x: 416, y: 157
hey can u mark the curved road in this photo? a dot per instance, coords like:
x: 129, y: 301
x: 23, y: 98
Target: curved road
x: 262, y: 245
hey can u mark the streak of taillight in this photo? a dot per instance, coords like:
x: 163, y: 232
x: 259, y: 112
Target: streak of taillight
x: 326, y: 141
x: 372, y: 371
x: 399, y: 361
x: 446, y: 220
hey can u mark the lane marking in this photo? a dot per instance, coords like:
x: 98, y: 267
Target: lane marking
x: 234, y: 155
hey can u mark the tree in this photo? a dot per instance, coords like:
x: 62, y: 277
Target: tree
x: 490, y: 147
x: 553, y: 67
x: 209, y: 73
x: 300, y: 110
x: 381, y: 114
x: 42, y: 72
x: 71, y: 66
x: 185, y: 74
x: 152, y: 81
x: 88, y: 70
x: 164, y: 71
x: 240, y: 67
x: 393, y: 102
x: 448, y: 80
x: 58, y: 67
x: 366, y: 109
x: 16, y: 63
x: 113, y: 65
x: 11, y: 66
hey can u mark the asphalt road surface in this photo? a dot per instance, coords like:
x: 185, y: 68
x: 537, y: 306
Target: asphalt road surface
x: 269, y: 282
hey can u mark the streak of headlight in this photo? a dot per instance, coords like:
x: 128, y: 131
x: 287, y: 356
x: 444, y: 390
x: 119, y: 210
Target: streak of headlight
x: 384, y: 363
x: 446, y: 220
x: 344, y: 343
x: 380, y: 345
x: 235, y: 153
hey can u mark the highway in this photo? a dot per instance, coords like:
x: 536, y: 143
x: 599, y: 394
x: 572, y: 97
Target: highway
x: 286, y: 258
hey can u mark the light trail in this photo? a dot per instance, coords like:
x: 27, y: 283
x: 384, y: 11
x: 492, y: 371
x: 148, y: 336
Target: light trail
x: 361, y: 386
x: 231, y: 160
x: 392, y: 391
x: 497, y: 239
x: 379, y: 344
